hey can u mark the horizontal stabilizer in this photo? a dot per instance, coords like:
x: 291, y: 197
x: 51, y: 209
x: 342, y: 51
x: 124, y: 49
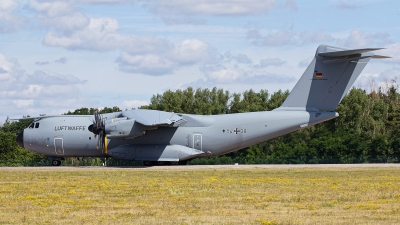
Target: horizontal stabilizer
x: 347, y: 52
x: 381, y: 57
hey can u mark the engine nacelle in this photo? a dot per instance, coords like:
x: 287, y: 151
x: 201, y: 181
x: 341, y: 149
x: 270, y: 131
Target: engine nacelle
x: 123, y: 128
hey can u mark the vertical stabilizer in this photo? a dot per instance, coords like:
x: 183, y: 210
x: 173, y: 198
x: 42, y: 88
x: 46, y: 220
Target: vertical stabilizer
x: 328, y: 78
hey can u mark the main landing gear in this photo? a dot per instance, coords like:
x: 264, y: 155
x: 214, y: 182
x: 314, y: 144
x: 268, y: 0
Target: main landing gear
x: 164, y: 163
x: 56, y: 161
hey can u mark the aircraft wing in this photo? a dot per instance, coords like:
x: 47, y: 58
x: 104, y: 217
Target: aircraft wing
x: 43, y: 117
x: 154, y: 117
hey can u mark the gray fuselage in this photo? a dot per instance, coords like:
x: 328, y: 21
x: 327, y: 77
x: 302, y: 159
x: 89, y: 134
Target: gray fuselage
x: 200, y: 136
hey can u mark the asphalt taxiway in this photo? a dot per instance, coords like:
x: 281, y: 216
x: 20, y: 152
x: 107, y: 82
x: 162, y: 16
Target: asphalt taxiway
x: 197, y: 167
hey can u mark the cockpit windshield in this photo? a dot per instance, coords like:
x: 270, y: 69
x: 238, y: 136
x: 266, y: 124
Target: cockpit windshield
x: 33, y: 125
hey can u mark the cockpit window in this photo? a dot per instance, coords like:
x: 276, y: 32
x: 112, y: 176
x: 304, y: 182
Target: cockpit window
x: 34, y: 125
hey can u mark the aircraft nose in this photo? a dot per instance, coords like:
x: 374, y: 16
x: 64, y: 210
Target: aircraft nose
x: 20, y: 139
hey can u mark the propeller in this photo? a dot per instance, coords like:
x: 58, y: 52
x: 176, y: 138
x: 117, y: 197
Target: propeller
x: 98, y: 128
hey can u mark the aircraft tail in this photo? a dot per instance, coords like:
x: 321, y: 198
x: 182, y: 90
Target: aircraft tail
x: 328, y: 78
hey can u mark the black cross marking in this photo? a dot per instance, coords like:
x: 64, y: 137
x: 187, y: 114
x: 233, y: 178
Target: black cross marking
x: 236, y: 131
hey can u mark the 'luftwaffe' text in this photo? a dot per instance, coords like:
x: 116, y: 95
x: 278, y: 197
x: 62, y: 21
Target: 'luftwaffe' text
x: 57, y: 128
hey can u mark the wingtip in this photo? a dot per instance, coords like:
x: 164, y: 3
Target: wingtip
x: 376, y: 49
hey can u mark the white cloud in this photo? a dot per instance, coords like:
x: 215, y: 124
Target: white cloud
x: 392, y: 50
x: 73, y: 30
x: 66, y: 23
x: 25, y: 91
x: 239, y: 78
x: 59, y: 91
x: 225, y: 75
x: 361, y: 39
x: 356, y: 38
x: 286, y: 37
x: 6, y: 67
x: 99, y: 35
x: 229, y: 72
x: 305, y: 62
x: 270, y: 62
x: 267, y: 78
x: 38, y: 92
x: 61, y: 60
x: 140, y: 54
x: 315, y: 37
x: 175, y: 12
x: 41, y: 63
x: 49, y: 78
x: 239, y: 58
x: 345, y: 5
x: 174, y: 20
x: 52, y: 8
x: 22, y: 103
x: 191, y: 51
x: 146, y: 64
x: 242, y: 58
x: 214, y: 8
x: 291, y: 4
x: 185, y: 53
x: 9, y: 21
x: 275, y: 38
x: 59, y: 15
x: 8, y: 5
x: 99, y: 1
x: 375, y: 81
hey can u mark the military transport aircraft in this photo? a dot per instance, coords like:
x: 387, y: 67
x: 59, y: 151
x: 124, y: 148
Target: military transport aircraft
x: 160, y: 138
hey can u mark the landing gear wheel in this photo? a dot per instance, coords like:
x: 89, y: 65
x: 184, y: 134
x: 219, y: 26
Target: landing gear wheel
x: 147, y: 163
x: 174, y: 163
x: 56, y: 162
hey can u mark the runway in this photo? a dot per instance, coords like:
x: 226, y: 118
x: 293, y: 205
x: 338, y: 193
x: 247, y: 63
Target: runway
x: 219, y: 167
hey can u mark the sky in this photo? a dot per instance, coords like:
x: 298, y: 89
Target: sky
x: 58, y: 56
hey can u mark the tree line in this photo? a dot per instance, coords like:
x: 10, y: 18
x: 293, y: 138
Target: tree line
x: 365, y: 132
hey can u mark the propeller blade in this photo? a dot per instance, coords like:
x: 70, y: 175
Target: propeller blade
x: 98, y: 129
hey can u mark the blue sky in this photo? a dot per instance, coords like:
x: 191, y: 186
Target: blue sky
x: 57, y: 56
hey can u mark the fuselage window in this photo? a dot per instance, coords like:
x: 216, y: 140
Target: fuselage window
x: 36, y: 125
x: 31, y: 126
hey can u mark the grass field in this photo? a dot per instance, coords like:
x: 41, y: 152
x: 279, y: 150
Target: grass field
x: 205, y: 196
